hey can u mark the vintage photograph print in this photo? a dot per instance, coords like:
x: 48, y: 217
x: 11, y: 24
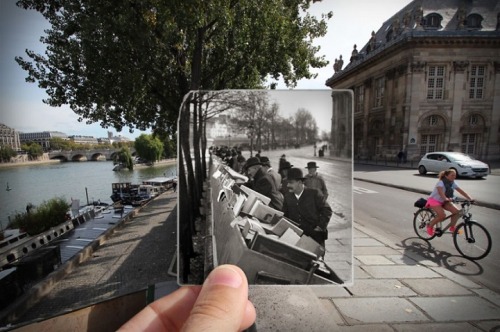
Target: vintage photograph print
x: 265, y: 183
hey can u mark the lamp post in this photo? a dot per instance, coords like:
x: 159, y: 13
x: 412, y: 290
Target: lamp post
x: 250, y: 135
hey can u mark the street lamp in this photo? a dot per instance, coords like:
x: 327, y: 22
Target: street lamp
x: 250, y: 135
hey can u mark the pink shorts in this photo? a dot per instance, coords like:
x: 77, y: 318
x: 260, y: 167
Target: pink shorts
x: 433, y: 202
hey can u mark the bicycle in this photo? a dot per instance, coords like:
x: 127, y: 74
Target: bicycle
x: 471, y: 239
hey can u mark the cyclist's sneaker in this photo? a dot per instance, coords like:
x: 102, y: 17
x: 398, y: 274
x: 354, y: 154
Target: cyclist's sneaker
x: 430, y: 230
x: 452, y: 229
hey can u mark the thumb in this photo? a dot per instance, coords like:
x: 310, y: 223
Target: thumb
x: 222, y: 304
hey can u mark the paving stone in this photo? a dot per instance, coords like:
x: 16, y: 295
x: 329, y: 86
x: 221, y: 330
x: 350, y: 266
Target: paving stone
x: 330, y: 308
x: 421, y: 260
x: 367, y: 242
x: 467, y: 283
x: 436, y: 287
x: 366, y: 327
x: 380, y: 287
x: 378, y: 310
x: 489, y: 295
x: 492, y: 325
x: 400, y: 271
x: 327, y: 291
x: 402, y: 259
x: 374, y: 260
x: 290, y: 309
x: 457, y: 308
x: 378, y: 250
x: 359, y: 273
x: 436, y: 327
x: 358, y: 234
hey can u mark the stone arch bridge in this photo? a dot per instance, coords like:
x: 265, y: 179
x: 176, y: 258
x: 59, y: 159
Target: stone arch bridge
x: 86, y: 155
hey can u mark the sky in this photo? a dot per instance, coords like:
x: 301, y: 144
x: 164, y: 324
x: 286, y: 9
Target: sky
x: 21, y: 105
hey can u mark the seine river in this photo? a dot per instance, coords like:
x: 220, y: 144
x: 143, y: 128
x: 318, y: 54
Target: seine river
x: 38, y: 183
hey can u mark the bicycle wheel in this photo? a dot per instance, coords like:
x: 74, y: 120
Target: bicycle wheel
x: 422, y: 218
x: 474, y: 242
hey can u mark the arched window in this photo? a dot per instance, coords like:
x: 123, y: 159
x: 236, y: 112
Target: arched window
x: 473, y: 120
x: 432, y: 21
x: 474, y: 21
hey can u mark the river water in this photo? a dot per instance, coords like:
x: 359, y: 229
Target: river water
x: 71, y: 180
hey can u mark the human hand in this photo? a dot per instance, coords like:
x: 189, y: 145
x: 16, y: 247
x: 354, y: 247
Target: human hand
x: 221, y: 304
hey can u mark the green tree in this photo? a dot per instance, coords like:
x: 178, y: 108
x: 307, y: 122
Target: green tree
x: 124, y: 157
x: 129, y: 63
x: 58, y: 143
x: 34, y: 150
x: 148, y: 147
x: 41, y: 218
x: 170, y: 147
x: 6, y: 152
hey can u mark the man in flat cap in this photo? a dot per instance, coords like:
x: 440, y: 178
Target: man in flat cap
x: 263, y: 183
x: 314, y: 180
x: 306, y: 207
x: 266, y: 165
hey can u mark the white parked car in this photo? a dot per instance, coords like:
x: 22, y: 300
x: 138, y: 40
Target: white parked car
x: 463, y: 164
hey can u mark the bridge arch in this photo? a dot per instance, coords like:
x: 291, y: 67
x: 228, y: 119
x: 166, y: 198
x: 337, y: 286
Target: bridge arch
x: 79, y: 157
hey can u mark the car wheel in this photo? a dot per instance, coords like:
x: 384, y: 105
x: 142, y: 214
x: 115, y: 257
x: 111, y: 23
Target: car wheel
x: 422, y: 170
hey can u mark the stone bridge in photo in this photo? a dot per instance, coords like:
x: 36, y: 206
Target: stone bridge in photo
x: 86, y: 155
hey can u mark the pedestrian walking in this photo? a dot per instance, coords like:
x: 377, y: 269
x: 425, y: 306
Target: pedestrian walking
x: 315, y: 181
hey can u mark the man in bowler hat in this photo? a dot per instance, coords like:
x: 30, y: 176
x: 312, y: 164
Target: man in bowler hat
x: 314, y: 180
x: 306, y: 207
x: 263, y: 182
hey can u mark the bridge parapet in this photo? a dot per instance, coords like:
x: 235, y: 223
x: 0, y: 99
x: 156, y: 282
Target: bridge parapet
x: 80, y: 155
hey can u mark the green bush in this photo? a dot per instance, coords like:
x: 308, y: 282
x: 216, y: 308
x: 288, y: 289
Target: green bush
x: 40, y: 219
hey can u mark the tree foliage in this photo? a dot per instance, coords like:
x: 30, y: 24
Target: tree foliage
x: 124, y: 157
x: 6, y: 153
x: 41, y: 218
x: 34, y: 150
x: 149, y: 148
x: 305, y: 126
x: 130, y: 62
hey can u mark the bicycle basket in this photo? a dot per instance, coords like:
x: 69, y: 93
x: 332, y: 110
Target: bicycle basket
x: 420, y: 203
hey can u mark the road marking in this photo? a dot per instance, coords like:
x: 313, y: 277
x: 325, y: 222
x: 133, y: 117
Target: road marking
x: 359, y: 190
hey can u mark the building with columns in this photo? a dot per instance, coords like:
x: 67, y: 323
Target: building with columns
x: 9, y: 137
x: 427, y: 80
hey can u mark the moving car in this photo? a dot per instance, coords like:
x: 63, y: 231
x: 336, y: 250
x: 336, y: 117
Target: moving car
x: 463, y: 164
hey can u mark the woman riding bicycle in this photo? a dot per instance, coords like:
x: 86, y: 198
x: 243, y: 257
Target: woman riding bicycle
x: 441, y: 199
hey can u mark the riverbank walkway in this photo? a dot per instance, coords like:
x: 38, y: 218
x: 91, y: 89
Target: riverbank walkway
x: 395, y: 288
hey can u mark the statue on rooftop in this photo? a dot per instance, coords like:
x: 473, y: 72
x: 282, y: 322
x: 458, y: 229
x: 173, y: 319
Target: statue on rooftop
x: 340, y: 63
x: 354, y: 54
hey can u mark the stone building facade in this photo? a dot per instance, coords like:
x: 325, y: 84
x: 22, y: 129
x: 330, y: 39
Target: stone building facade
x: 428, y: 80
x: 9, y: 137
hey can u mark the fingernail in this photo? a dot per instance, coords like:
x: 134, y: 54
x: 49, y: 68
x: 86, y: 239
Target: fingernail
x: 224, y: 276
